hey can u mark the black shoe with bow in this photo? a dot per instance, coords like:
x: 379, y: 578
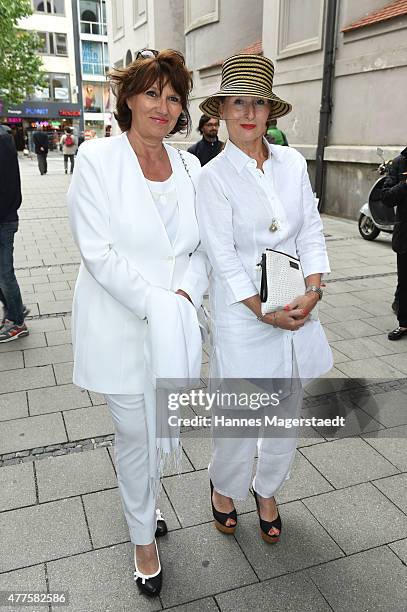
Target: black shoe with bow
x: 161, y: 529
x: 149, y: 584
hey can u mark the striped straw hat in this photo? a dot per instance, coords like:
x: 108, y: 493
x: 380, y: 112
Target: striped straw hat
x: 246, y: 75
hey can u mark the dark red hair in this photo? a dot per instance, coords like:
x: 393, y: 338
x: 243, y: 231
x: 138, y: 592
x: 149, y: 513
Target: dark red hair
x: 167, y: 67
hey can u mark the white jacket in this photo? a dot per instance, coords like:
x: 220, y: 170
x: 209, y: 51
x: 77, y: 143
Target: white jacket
x: 125, y: 250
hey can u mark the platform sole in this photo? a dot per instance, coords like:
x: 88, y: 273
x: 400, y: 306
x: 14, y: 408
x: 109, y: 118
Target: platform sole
x: 269, y: 539
x: 224, y: 528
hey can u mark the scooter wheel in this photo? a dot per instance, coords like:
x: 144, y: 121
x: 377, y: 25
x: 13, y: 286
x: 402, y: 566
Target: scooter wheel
x: 367, y: 228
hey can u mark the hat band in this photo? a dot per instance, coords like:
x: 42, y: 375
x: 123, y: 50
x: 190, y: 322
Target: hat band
x: 244, y: 88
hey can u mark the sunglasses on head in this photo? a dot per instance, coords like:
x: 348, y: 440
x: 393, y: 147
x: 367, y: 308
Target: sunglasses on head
x: 149, y: 53
x: 146, y: 53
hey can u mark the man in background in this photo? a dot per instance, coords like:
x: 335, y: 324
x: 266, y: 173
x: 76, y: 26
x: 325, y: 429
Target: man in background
x: 209, y: 146
x: 12, y: 324
x: 276, y: 136
x: 394, y: 193
x: 40, y: 140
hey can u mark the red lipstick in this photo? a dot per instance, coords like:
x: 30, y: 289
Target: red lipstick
x: 159, y: 119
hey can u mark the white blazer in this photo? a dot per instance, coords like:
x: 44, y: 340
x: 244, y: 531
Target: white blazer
x: 125, y: 251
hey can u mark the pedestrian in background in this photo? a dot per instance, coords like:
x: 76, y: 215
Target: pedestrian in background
x: 274, y: 135
x: 394, y: 193
x: 69, y: 145
x: 81, y: 139
x: 209, y: 146
x: 40, y: 140
x: 12, y: 325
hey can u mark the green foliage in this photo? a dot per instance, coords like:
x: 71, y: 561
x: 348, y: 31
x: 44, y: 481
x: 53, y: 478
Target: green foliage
x: 20, y: 64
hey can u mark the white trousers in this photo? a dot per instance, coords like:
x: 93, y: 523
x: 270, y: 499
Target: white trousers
x: 132, y: 466
x: 231, y: 466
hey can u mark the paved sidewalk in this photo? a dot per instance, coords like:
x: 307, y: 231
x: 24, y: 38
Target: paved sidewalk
x: 344, y: 544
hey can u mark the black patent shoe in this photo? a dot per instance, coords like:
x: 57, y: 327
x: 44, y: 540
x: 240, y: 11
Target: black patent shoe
x: 265, y: 526
x: 220, y: 518
x: 397, y: 333
x: 161, y: 529
x: 149, y: 585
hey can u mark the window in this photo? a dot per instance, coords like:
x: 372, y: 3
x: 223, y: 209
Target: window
x: 93, y: 17
x: 118, y: 19
x: 95, y: 58
x: 95, y: 97
x: 60, y: 44
x: 197, y: 14
x: 139, y: 12
x: 57, y: 89
x: 129, y: 58
x: 53, y: 7
x: 59, y: 86
x: 52, y: 43
x: 300, y: 27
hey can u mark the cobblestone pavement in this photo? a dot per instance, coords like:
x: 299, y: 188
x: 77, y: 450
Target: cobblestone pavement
x: 344, y: 544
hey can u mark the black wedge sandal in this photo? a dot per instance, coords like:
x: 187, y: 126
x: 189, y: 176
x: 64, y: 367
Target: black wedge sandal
x: 220, y: 518
x: 265, y: 526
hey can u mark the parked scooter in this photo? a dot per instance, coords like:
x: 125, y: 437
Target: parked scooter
x: 374, y: 216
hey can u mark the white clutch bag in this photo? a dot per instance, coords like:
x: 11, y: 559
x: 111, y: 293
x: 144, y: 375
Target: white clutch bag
x: 282, y: 280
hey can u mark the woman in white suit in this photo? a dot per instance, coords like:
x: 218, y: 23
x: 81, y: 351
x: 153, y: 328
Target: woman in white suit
x: 132, y: 213
x: 254, y: 196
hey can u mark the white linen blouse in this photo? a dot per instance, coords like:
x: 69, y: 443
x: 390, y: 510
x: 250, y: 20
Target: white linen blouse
x: 238, y: 205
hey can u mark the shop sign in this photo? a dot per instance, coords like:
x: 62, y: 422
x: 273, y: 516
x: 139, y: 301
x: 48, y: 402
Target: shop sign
x: 69, y: 113
x: 36, y: 111
x: 14, y: 120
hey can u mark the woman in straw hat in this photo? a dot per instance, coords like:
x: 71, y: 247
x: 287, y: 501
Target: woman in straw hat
x: 254, y: 196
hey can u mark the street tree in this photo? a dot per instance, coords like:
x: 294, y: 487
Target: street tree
x: 20, y: 64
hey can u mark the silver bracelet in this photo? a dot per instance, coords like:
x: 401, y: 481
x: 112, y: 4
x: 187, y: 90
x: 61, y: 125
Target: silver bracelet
x: 315, y: 289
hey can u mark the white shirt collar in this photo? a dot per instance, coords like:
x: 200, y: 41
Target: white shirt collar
x: 240, y: 159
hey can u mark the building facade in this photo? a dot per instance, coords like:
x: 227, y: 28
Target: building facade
x: 140, y: 24
x: 54, y: 106
x: 94, y: 62
x: 205, y: 31
x: 368, y: 95
x: 369, y: 66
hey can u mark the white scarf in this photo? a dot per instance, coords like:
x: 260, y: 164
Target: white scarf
x: 173, y: 356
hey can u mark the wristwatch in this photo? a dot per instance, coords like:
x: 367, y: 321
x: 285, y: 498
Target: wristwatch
x: 315, y: 289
